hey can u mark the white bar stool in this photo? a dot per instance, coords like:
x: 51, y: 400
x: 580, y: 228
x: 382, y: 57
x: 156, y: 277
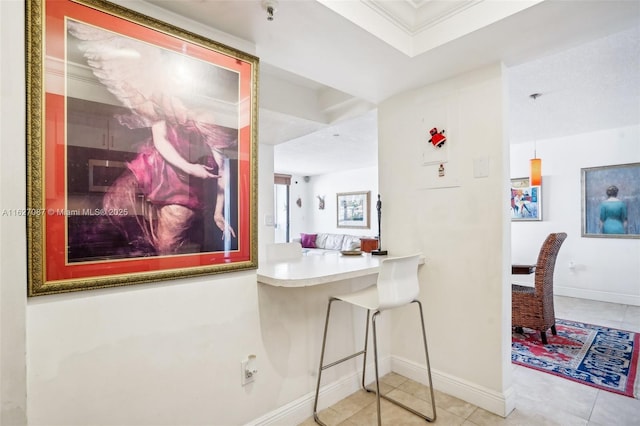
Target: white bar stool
x: 397, y: 285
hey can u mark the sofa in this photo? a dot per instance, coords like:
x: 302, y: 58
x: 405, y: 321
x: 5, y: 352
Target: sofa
x: 325, y: 243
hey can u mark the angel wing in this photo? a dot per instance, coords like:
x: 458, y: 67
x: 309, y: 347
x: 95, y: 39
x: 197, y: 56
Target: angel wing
x: 153, y: 82
x: 129, y: 69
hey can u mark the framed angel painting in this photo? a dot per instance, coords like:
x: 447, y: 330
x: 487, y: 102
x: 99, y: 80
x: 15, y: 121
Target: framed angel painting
x: 142, y: 150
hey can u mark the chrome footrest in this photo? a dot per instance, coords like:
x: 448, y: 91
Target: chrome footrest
x: 401, y: 405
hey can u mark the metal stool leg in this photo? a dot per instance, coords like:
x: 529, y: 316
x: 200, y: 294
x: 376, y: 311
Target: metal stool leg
x: 324, y: 343
x: 426, y: 352
x: 324, y: 367
x: 366, y: 340
x: 375, y: 363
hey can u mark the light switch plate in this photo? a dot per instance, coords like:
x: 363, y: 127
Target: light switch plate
x: 481, y: 167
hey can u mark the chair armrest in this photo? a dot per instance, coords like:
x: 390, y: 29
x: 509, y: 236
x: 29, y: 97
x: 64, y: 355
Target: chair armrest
x: 523, y: 269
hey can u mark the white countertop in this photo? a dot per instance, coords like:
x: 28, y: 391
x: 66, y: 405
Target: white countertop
x: 315, y: 269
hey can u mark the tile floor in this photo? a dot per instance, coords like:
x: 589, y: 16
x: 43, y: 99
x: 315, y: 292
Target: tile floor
x: 542, y: 399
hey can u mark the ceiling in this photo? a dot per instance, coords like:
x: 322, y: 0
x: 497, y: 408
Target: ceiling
x: 325, y: 65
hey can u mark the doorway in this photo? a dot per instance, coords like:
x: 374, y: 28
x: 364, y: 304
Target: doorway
x: 281, y: 207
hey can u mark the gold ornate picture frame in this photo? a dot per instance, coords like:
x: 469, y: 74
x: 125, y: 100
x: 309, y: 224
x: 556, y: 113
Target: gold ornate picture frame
x: 142, y: 150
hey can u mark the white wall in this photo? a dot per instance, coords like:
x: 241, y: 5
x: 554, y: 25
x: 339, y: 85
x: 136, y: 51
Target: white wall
x: 300, y: 217
x: 266, y: 234
x: 13, y: 388
x: 606, y: 269
x: 460, y: 224
x: 328, y: 186
x: 160, y: 353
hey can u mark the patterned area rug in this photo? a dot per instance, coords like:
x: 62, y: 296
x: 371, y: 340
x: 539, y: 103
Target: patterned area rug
x: 596, y: 356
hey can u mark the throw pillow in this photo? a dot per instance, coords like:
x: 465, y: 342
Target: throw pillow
x: 308, y: 240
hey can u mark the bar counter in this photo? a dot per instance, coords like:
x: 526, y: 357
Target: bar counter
x: 313, y: 270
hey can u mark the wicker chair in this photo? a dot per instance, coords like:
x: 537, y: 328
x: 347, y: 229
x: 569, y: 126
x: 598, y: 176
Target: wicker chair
x: 532, y: 307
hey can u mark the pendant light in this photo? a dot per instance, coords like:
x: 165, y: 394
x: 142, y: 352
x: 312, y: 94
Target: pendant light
x: 535, y: 172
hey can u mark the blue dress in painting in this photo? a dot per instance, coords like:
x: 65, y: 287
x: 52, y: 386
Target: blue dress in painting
x: 613, y: 215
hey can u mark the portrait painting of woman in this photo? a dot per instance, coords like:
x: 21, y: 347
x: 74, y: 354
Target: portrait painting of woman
x: 611, y: 201
x: 613, y: 213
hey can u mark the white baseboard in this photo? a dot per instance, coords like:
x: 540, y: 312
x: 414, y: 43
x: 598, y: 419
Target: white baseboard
x: 500, y: 404
x: 301, y: 409
x: 602, y: 296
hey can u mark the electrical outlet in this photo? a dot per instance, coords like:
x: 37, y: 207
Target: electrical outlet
x: 248, y: 370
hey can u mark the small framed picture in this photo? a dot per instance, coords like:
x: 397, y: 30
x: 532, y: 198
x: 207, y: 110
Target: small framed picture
x: 526, y: 200
x: 611, y: 201
x: 353, y: 209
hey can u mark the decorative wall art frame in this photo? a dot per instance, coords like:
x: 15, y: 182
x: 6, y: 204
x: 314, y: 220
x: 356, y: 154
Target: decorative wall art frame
x: 611, y: 201
x: 107, y: 86
x: 354, y: 209
x: 526, y: 200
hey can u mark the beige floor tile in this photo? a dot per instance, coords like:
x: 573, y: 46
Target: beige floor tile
x: 524, y: 417
x: 412, y: 402
x: 482, y: 417
x: 445, y: 418
x: 308, y: 422
x: 416, y: 389
x: 385, y: 388
x: 616, y: 410
x: 541, y: 399
x: 348, y: 422
x: 391, y: 415
x: 547, y: 391
x: 454, y: 405
x: 354, y: 403
x: 556, y: 412
x: 589, y: 311
x: 393, y: 379
x: 330, y: 417
x: 631, y: 319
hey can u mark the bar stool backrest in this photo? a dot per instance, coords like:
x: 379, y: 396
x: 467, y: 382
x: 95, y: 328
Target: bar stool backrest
x: 281, y: 252
x: 398, y: 281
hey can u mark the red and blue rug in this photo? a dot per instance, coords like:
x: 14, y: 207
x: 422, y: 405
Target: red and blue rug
x: 602, y: 357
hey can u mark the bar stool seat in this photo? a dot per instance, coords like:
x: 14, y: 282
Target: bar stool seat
x: 397, y: 286
x: 367, y: 298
